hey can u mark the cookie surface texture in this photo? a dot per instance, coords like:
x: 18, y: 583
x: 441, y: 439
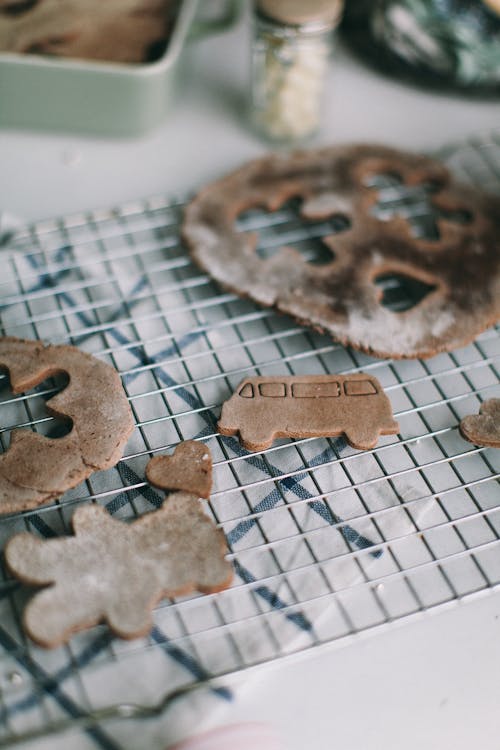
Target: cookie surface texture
x: 114, y: 571
x: 483, y: 428
x: 36, y: 469
x: 461, y: 267
x: 188, y: 469
x: 264, y: 408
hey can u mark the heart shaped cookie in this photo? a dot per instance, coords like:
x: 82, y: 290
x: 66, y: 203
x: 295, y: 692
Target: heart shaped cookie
x: 188, y: 469
x: 483, y: 428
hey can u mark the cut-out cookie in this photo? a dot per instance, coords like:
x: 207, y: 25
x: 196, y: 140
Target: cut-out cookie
x: 461, y: 267
x: 122, y: 31
x: 115, y: 571
x: 265, y: 408
x: 483, y: 428
x: 36, y: 469
x: 188, y: 469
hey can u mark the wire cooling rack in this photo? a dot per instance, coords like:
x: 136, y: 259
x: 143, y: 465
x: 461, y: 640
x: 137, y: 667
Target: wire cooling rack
x: 326, y: 541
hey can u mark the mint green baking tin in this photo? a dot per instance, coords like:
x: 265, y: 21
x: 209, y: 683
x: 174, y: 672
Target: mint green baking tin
x: 99, y: 98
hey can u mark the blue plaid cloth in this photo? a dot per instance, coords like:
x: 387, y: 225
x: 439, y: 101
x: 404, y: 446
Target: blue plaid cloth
x: 101, y: 295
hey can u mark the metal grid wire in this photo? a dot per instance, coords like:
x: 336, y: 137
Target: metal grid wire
x: 326, y: 541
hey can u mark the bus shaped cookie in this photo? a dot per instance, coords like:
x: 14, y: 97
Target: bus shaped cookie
x: 265, y: 408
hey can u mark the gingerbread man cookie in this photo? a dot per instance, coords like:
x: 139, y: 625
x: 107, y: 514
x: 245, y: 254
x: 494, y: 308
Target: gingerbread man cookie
x: 116, y: 572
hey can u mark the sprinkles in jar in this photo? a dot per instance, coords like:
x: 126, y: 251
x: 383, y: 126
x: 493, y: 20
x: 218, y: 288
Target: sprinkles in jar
x: 291, y: 47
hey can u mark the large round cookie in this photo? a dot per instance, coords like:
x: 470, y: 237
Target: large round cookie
x: 342, y: 298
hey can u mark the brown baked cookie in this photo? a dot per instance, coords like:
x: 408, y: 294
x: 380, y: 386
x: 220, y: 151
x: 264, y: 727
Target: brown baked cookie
x: 341, y: 297
x: 483, y: 428
x: 114, y: 571
x: 188, y: 469
x: 123, y: 31
x: 299, y: 406
x: 36, y: 469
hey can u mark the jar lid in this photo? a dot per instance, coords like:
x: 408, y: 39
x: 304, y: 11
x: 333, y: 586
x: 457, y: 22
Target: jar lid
x: 298, y: 12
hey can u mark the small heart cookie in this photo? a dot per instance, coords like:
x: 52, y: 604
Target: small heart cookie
x: 188, y: 469
x: 460, y: 268
x: 483, y: 428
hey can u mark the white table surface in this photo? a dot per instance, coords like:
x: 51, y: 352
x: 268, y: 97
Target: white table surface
x: 434, y: 683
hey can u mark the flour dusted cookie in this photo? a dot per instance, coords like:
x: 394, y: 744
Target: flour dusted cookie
x: 188, y: 469
x: 483, y: 428
x: 341, y: 297
x: 265, y: 408
x: 116, y: 572
x: 36, y: 469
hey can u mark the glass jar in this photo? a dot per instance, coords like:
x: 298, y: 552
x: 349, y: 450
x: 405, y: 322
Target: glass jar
x: 291, y: 45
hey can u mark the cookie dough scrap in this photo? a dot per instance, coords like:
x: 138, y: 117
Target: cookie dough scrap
x: 117, y: 572
x: 36, y: 469
x: 483, y: 428
x: 460, y: 267
x: 188, y: 469
x: 302, y: 406
x: 123, y: 31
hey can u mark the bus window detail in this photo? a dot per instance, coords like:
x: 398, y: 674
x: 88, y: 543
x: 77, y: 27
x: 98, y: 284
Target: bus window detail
x: 316, y: 390
x: 272, y: 390
x: 247, y: 391
x: 359, y: 388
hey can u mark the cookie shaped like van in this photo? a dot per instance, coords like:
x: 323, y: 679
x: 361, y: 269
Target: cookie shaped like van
x: 265, y: 408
